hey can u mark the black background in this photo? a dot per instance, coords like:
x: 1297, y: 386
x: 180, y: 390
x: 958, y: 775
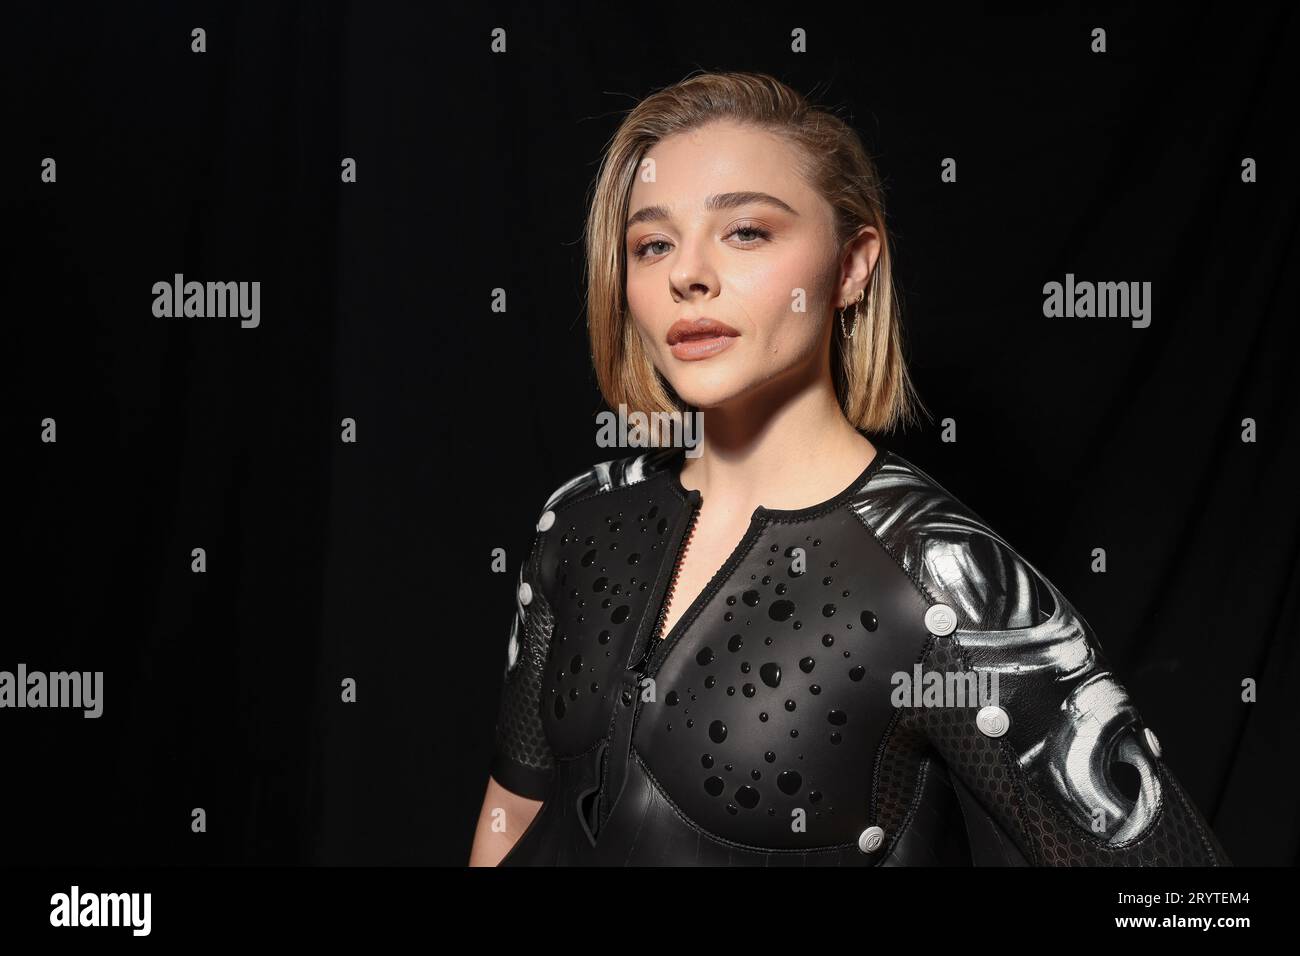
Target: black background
x: 329, y: 560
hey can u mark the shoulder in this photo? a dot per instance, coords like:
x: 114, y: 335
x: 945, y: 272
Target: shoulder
x: 604, y: 477
x: 598, y: 480
x: 951, y: 553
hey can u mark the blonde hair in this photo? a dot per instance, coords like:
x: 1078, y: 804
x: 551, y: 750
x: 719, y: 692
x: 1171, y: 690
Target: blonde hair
x: 871, y: 379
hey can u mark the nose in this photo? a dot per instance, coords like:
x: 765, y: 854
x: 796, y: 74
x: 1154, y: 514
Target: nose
x: 692, y: 274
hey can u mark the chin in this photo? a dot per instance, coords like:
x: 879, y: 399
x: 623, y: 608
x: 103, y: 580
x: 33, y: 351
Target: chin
x: 702, y: 395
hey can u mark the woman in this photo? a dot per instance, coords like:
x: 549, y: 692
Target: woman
x: 796, y: 647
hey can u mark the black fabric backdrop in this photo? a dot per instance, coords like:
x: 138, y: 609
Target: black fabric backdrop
x: 371, y: 560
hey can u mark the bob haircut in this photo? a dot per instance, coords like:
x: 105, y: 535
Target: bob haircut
x: 871, y: 380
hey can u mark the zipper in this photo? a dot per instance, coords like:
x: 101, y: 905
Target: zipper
x: 602, y: 793
x: 656, y: 637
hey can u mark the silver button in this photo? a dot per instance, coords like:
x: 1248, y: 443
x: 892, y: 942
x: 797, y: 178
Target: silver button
x: 1152, y: 741
x: 992, y: 721
x: 546, y: 521
x: 870, y: 839
x: 940, y: 620
x: 525, y: 593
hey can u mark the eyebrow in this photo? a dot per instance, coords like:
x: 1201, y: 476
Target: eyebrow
x: 721, y: 201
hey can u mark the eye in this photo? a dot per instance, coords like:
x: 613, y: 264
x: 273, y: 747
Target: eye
x: 748, y: 235
x: 640, y: 251
x: 758, y: 232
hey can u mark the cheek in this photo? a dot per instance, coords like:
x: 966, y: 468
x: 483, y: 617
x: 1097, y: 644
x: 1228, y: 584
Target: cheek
x: 785, y: 300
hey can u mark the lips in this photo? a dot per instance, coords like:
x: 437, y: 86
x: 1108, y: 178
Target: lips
x: 684, y: 330
x: 692, y: 340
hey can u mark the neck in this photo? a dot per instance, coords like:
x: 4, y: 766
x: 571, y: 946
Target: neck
x: 785, y: 450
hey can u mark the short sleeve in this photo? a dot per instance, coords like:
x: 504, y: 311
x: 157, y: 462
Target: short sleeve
x: 522, y: 761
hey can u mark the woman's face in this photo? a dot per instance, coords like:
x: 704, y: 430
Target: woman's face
x: 704, y: 241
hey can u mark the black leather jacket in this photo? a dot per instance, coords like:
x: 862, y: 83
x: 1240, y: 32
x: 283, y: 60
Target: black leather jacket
x: 877, y: 680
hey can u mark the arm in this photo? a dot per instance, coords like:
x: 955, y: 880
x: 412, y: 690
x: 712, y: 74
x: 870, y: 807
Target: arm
x: 1070, y: 774
x: 493, y: 840
x: 522, y: 762
x: 521, y: 759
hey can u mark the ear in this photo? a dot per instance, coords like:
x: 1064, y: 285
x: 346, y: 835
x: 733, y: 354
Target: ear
x: 857, y: 264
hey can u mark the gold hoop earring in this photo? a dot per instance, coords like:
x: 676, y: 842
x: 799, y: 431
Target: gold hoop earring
x: 854, y: 304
